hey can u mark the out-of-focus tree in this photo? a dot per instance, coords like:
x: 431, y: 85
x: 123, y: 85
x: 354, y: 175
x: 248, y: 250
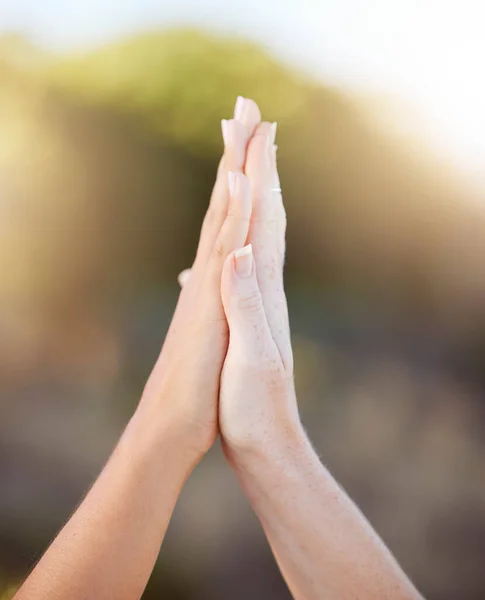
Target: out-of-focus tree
x: 181, y: 82
x: 367, y: 214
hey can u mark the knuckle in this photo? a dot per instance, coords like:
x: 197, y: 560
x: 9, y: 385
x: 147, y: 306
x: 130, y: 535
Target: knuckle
x: 250, y: 302
x: 209, y: 326
x: 232, y: 217
x: 262, y: 197
x: 253, y: 363
x: 231, y: 230
x: 289, y: 366
x: 235, y: 216
x: 219, y: 250
x: 215, y: 214
x: 264, y: 219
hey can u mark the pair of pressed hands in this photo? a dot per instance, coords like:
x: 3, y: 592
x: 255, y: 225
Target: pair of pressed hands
x: 226, y: 364
x: 226, y: 367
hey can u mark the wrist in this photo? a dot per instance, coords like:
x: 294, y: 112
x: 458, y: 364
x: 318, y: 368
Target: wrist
x: 276, y: 472
x: 289, y: 445
x: 154, y: 433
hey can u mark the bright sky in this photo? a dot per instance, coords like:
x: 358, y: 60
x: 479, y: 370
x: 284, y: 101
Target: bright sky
x: 429, y: 51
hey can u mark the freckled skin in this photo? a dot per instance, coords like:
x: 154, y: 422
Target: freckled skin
x: 325, y: 548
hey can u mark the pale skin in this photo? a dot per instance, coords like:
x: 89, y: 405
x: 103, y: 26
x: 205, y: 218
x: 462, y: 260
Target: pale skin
x: 226, y: 368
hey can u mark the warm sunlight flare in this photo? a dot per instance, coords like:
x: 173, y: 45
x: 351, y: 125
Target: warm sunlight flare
x: 431, y: 53
x: 453, y: 97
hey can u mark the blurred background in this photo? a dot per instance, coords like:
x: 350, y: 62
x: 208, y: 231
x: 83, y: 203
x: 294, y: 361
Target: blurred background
x: 109, y: 140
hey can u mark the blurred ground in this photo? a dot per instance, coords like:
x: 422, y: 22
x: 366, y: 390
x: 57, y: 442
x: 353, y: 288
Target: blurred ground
x: 106, y: 165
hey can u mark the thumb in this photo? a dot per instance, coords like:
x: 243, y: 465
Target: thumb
x: 243, y: 305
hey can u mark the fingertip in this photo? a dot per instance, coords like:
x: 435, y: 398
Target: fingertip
x: 233, y: 133
x: 184, y: 276
x: 239, y: 271
x: 248, y: 113
x: 241, y: 298
x: 239, y: 108
x: 235, y: 137
x: 267, y: 129
x: 253, y: 115
x: 244, y: 262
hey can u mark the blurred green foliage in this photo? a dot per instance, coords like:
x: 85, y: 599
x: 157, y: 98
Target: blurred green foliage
x: 366, y: 217
x: 181, y: 82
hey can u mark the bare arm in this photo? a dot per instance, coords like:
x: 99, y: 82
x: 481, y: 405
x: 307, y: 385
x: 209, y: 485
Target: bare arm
x: 110, y: 545
x: 108, y: 548
x: 324, y: 546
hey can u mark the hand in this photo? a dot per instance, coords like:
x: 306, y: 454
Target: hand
x: 323, y: 545
x: 258, y: 409
x: 184, y: 385
x: 121, y: 524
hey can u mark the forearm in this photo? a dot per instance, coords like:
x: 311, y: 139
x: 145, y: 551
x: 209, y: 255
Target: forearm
x: 323, y: 544
x: 108, y: 548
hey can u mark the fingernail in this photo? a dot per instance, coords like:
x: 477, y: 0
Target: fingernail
x: 240, y: 108
x: 243, y: 259
x: 232, y: 178
x: 225, y: 131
